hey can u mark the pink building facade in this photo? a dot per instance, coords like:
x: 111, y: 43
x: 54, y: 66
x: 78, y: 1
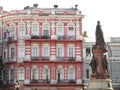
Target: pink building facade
x: 42, y: 48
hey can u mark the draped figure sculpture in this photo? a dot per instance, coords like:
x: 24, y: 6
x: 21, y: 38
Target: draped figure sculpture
x: 99, y: 62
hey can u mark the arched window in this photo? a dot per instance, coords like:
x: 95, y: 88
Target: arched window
x: 34, y: 73
x: 71, y: 73
x: 21, y: 73
x: 11, y: 74
x: 60, y: 74
x: 46, y: 73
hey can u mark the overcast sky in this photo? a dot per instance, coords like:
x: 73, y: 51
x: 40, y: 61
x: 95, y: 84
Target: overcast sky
x: 106, y: 11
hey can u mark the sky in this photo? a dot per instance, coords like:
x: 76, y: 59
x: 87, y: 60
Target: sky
x: 106, y: 11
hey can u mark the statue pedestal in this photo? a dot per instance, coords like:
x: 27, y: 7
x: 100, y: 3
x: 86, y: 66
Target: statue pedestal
x: 100, y: 84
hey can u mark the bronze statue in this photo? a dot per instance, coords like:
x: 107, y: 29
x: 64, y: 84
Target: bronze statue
x: 99, y: 62
x: 99, y: 38
x: 93, y: 65
x: 105, y: 63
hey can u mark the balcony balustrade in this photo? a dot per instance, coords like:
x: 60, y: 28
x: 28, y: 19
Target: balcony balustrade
x: 38, y: 58
x: 45, y: 37
x: 65, y: 58
x: 35, y: 37
x: 42, y: 81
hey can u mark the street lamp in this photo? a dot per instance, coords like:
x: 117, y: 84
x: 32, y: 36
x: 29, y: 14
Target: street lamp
x: 17, y: 85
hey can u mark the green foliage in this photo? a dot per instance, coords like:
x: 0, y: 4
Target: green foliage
x: 85, y: 34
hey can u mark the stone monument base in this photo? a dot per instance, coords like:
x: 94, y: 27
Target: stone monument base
x: 100, y: 84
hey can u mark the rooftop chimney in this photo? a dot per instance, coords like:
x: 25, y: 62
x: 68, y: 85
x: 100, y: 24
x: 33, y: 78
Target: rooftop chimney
x: 55, y: 6
x: 76, y: 6
x: 27, y: 7
x: 35, y: 5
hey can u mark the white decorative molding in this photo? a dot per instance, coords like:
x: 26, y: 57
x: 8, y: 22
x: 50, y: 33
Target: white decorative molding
x: 78, y: 81
x: 26, y: 81
x: 53, y: 37
x: 78, y: 58
x: 53, y: 81
x: 52, y: 58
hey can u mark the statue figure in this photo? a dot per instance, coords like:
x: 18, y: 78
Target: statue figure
x: 99, y: 61
x: 99, y: 38
x: 105, y: 63
x: 93, y: 65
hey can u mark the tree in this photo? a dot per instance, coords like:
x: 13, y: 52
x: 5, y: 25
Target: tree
x: 85, y: 34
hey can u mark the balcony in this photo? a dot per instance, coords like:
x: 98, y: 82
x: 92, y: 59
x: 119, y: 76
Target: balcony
x: 42, y: 81
x: 11, y: 38
x: 72, y: 58
x: 12, y: 59
x: 35, y: 58
x: 72, y: 81
x: 38, y: 58
x: 45, y: 37
x: 11, y: 81
x: 61, y: 37
x: 65, y: 58
x: 35, y: 37
x: 70, y: 37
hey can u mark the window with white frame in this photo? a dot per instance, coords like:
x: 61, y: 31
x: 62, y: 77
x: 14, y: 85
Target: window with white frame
x: 45, y: 74
x: 60, y: 74
x: 60, y: 51
x: 5, y: 35
x: 35, y: 29
x: 11, y: 75
x: 71, y: 73
x: 46, y: 31
x: 21, y: 51
x: 35, y: 74
x: 5, y: 53
x: 59, y: 31
x: 70, y: 51
x: 12, y: 52
x: 21, y: 74
x: 12, y: 31
x: 87, y: 73
x: 45, y: 51
x: 88, y: 52
x: 70, y: 31
x: 21, y: 30
x: 35, y: 50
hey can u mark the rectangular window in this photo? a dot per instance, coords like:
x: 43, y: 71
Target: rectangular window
x: 88, y: 52
x: 11, y: 75
x: 21, y: 31
x: 21, y: 52
x: 12, y: 54
x: 21, y: 74
x: 12, y: 32
x: 4, y: 53
x: 45, y: 51
x: 70, y: 31
x: 59, y: 31
x: 35, y: 30
x: 5, y: 35
x: 87, y: 73
x: 59, y: 51
x: 46, y: 31
x: 70, y: 52
x: 35, y: 51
